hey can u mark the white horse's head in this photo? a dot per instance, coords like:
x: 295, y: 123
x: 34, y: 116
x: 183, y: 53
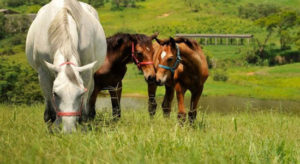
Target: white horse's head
x: 68, y: 93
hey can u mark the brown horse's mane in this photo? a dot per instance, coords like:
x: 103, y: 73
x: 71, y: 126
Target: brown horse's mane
x: 116, y: 41
x: 192, y: 44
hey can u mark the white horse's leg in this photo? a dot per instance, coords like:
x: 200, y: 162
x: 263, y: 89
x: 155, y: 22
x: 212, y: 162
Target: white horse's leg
x: 46, y: 83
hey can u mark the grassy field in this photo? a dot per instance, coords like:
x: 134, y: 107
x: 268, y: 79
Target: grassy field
x: 247, y: 137
x: 243, y: 136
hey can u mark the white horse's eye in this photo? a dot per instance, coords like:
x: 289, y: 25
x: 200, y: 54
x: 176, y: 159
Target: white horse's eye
x: 163, y: 54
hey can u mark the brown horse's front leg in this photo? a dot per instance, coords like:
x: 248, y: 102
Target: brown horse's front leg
x: 166, y: 105
x: 115, y: 96
x: 194, y: 103
x: 180, y: 91
x: 151, y: 101
x: 92, y: 103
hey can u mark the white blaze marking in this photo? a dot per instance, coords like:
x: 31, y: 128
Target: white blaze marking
x: 163, y: 54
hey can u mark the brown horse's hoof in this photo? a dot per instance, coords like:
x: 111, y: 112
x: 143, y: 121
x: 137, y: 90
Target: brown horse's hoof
x: 167, y: 112
x: 192, y: 117
x: 152, y: 113
x: 181, y: 118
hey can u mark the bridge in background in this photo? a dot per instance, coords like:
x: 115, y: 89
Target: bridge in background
x: 220, y: 39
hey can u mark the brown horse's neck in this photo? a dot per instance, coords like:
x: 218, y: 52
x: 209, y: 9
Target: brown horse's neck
x: 190, y: 58
x: 120, y: 56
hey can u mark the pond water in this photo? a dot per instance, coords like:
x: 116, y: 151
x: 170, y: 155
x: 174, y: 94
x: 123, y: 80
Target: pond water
x: 224, y: 104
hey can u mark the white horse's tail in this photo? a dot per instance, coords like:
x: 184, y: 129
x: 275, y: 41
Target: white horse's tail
x: 59, y: 32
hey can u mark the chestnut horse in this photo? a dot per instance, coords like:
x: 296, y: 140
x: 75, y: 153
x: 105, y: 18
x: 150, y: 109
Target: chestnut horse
x: 181, y: 65
x: 122, y: 49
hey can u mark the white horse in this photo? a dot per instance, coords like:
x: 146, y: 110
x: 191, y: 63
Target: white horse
x: 66, y: 44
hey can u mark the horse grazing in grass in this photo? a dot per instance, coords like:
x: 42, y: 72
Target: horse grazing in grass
x: 66, y: 45
x: 122, y: 49
x: 181, y: 65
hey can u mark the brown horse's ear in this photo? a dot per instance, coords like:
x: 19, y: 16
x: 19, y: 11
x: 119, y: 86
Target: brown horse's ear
x: 154, y: 36
x: 132, y: 39
x: 161, y: 42
x: 172, y: 42
x: 180, y: 40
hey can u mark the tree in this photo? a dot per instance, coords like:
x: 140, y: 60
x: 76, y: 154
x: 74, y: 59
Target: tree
x: 287, y: 20
x: 256, y: 11
x: 280, y: 22
x: 269, y: 23
x: 14, y: 3
x: 96, y: 3
x: 297, y: 40
x: 120, y: 4
x: 2, y: 25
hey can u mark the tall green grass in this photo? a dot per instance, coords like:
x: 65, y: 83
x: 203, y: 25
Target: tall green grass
x: 247, y: 137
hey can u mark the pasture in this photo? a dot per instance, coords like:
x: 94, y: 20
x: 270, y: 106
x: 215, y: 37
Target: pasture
x: 252, y: 117
x: 238, y: 137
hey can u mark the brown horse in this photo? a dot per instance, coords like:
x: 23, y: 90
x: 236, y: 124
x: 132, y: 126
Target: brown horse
x: 122, y: 49
x: 181, y: 65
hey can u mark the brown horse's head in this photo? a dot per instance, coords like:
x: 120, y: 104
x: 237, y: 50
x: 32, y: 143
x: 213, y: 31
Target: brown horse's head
x: 168, y: 60
x: 143, y: 54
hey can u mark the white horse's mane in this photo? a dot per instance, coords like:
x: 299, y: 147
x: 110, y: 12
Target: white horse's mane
x: 59, y: 32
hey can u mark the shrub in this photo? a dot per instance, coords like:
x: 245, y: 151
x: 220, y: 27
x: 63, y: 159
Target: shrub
x: 96, y: 3
x: 121, y: 4
x: 285, y: 57
x: 252, y: 58
x: 220, y: 75
x: 18, y: 84
x: 17, y: 39
x: 37, y: 2
x: 253, y: 11
x: 7, y: 51
x: 14, y: 3
x: 2, y: 24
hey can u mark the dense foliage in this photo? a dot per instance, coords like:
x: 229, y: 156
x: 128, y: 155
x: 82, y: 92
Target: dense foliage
x: 18, y: 84
x: 2, y: 23
x: 15, y: 3
x: 255, y: 11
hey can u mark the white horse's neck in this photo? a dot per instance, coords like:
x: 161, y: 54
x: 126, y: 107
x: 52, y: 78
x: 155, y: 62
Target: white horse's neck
x: 63, y: 37
x: 59, y: 59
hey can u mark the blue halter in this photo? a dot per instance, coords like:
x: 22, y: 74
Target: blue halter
x: 172, y: 69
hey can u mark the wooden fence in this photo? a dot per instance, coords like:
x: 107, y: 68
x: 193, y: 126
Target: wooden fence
x: 220, y: 39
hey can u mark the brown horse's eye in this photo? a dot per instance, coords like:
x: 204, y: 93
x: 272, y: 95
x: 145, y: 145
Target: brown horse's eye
x: 140, y: 54
x: 170, y: 59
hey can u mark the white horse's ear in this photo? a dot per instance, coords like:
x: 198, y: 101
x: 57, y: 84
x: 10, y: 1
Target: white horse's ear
x: 86, y: 67
x: 52, y: 67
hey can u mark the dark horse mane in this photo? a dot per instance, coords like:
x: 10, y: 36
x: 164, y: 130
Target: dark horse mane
x: 192, y: 44
x: 116, y: 41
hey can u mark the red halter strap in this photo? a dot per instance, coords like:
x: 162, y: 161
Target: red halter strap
x: 60, y: 114
x: 136, y: 61
x: 67, y: 63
